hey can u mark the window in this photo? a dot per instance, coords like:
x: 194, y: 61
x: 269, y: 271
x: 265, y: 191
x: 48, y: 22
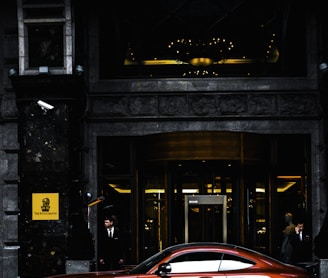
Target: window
x: 196, y: 262
x: 231, y: 262
x: 45, y: 37
x: 45, y: 44
x: 202, y: 39
x: 208, y: 262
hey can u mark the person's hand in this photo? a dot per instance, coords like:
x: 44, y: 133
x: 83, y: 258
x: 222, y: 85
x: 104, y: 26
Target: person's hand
x: 297, y: 230
x: 101, y: 261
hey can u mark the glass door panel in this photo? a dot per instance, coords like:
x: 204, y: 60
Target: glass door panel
x: 204, y: 221
x: 153, y: 204
x: 259, y: 204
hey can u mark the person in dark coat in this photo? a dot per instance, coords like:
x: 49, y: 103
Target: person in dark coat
x: 110, y: 246
x: 300, y: 243
x: 286, y: 247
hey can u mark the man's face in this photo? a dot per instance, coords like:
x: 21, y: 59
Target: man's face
x: 300, y: 226
x: 108, y: 223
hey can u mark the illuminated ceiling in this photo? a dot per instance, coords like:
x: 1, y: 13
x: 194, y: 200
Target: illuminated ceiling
x: 202, y: 36
x: 284, y: 183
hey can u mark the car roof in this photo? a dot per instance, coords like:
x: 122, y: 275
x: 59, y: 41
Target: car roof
x: 202, y: 243
x: 205, y: 244
x: 227, y: 246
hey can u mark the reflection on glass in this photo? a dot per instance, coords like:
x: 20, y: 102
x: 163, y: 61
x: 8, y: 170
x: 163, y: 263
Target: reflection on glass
x: 292, y: 194
x: 155, y: 211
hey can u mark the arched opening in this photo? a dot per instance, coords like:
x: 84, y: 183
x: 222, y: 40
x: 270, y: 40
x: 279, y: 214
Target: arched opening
x: 145, y: 181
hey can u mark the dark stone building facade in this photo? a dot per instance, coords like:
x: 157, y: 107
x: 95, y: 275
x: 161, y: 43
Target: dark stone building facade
x: 265, y: 118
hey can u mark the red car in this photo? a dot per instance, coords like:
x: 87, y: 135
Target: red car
x: 203, y: 260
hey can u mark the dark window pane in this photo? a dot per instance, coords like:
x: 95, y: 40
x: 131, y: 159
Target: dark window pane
x: 45, y: 45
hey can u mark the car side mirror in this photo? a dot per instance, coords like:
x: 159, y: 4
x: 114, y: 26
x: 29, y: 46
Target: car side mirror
x: 163, y: 269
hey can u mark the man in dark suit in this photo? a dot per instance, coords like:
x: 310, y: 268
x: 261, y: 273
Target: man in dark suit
x: 301, y: 243
x: 110, y: 246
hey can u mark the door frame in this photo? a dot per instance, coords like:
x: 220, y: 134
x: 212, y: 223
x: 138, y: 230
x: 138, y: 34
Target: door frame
x: 206, y: 200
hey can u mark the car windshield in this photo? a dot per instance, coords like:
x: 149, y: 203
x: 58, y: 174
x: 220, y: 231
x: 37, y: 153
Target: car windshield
x: 149, y: 263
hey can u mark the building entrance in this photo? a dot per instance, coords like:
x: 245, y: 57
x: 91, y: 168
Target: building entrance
x: 152, y: 184
x: 202, y: 197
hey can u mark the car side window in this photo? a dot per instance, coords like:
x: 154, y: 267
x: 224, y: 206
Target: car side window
x: 231, y: 262
x: 196, y: 262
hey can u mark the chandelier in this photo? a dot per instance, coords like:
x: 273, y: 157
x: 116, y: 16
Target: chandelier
x: 198, y: 52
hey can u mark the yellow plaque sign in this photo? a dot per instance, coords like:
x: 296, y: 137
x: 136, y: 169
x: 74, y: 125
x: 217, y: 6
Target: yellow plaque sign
x: 45, y: 206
